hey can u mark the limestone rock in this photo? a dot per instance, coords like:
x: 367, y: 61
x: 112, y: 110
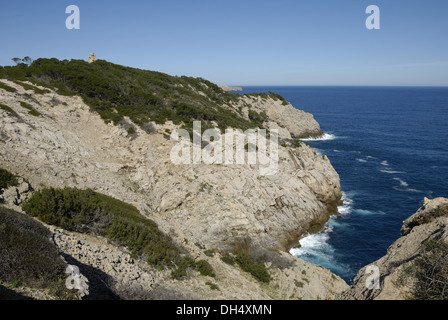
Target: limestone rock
x: 208, y: 204
x: 14, y: 196
x: 228, y: 88
x: 300, y: 124
x: 201, y: 206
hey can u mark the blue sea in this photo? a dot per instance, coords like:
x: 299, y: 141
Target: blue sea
x: 390, y: 148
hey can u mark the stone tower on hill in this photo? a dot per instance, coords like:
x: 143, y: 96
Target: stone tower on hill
x: 92, y: 58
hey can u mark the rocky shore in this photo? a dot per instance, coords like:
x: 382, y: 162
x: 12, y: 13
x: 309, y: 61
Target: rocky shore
x: 400, y: 270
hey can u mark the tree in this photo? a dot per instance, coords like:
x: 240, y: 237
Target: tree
x: 27, y: 60
x: 16, y: 60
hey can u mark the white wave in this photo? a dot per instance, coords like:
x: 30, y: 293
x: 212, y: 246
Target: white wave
x: 402, y: 183
x: 318, y: 151
x: 370, y: 157
x: 413, y: 190
x: 367, y: 212
x: 347, y: 204
x: 408, y: 190
x: 385, y: 163
x: 337, y: 151
x: 361, y: 160
x: 325, y: 136
x: 391, y: 171
x: 314, y: 244
x: 316, y: 249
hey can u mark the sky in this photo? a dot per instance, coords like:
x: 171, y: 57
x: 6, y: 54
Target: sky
x: 246, y: 42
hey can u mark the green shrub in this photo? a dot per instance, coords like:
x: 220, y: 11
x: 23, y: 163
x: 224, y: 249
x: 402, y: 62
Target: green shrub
x: 6, y: 87
x: 209, y: 253
x: 298, y: 284
x: 32, y: 111
x: 258, y: 118
x: 227, y: 258
x: 212, y: 286
x: 431, y: 272
x: 248, y: 264
x: 131, y: 130
x: 8, y: 109
x: 28, y: 256
x: 7, y: 179
x: 205, y: 268
x: 116, y: 92
x: 36, y: 90
x: 90, y: 212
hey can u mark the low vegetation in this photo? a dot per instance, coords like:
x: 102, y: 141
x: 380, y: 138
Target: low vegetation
x: 89, y: 212
x: 28, y: 257
x: 247, y: 258
x: 8, y: 109
x: 431, y: 272
x: 7, y: 179
x: 36, y: 90
x: 31, y: 110
x: 116, y: 92
x: 6, y: 87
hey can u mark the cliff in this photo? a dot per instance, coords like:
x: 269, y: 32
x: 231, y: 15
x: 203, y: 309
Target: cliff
x: 55, y: 140
x: 416, y: 265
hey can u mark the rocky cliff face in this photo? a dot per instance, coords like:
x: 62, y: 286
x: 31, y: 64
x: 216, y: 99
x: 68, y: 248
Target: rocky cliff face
x: 211, y: 205
x: 203, y: 207
x: 400, y: 268
x: 291, y: 122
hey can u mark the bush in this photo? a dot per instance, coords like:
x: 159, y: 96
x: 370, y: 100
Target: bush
x: 258, y: 270
x: 432, y: 272
x: 7, y: 179
x: 28, y: 256
x: 115, y: 92
x: 212, y: 286
x: 131, y: 130
x: 8, y: 109
x: 205, y: 268
x: 31, y: 87
x: 30, y: 108
x: 227, y: 258
x: 258, y: 118
x: 248, y: 259
x: 7, y: 88
x: 89, y: 212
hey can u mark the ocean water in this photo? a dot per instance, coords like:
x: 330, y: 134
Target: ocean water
x: 390, y: 148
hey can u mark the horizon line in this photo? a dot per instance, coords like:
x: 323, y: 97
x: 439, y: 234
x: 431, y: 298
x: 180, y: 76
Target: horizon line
x: 339, y: 85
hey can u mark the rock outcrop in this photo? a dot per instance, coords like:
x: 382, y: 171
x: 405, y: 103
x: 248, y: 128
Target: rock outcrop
x: 200, y: 206
x: 210, y: 205
x: 229, y: 88
x: 13, y: 197
x: 282, y: 115
x: 397, y: 268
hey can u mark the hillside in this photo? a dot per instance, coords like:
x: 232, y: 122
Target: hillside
x: 116, y: 92
x: 63, y: 126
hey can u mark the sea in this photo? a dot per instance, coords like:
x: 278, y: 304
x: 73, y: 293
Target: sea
x: 389, y: 146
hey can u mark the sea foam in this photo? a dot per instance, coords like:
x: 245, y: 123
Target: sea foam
x: 325, y: 136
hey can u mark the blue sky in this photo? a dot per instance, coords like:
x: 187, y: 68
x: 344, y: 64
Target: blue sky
x: 246, y: 42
